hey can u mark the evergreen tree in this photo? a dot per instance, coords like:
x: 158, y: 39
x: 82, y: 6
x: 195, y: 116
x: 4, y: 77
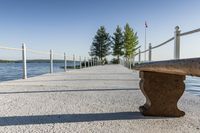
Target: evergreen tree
x: 101, y: 44
x: 118, y: 43
x: 130, y: 41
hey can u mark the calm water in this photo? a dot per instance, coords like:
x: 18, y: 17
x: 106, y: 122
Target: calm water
x: 11, y: 71
x: 193, y: 85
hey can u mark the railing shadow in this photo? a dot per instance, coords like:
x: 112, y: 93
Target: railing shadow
x: 100, y: 73
x: 53, y: 80
x: 55, y: 91
x: 70, y: 118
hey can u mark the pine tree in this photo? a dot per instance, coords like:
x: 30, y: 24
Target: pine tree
x: 118, y: 43
x: 101, y: 44
x: 130, y: 41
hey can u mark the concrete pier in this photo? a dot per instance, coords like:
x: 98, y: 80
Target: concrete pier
x: 96, y: 99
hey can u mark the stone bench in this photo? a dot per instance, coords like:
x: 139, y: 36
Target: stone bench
x: 162, y: 83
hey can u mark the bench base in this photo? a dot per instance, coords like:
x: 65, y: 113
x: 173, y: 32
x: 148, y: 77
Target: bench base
x: 162, y: 92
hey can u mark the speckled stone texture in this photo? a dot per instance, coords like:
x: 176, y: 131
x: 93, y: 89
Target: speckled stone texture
x: 100, y: 99
x: 162, y: 92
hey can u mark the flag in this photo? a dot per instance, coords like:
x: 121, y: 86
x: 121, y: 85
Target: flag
x: 146, y: 24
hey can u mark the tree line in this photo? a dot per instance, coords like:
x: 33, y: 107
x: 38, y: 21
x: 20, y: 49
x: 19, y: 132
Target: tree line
x: 120, y: 44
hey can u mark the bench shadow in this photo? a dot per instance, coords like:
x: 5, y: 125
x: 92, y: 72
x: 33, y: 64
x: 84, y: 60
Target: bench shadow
x: 63, y: 90
x: 70, y: 118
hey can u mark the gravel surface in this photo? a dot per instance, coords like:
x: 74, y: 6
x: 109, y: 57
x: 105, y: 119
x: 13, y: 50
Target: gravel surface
x: 102, y: 99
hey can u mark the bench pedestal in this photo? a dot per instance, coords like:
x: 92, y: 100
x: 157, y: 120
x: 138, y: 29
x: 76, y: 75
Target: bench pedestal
x: 162, y: 92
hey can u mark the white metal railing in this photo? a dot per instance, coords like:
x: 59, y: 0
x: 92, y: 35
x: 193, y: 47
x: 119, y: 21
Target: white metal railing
x: 88, y: 62
x: 176, y: 38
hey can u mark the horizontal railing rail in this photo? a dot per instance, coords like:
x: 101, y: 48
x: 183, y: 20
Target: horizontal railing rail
x: 169, y: 40
x: 144, y: 51
x: 176, y: 38
x: 9, y: 48
x: 37, y: 51
x: 83, y: 61
x: 157, y: 46
x: 190, y: 32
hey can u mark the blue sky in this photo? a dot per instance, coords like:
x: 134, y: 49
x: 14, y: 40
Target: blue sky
x: 69, y: 25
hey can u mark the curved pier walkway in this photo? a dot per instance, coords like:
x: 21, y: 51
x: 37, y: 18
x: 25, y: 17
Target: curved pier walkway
x: 97, y: 99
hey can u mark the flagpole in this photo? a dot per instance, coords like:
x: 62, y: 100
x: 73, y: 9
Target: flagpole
x: 145, y: 47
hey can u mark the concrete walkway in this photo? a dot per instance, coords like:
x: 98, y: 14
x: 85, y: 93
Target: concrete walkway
x: 102, y: 99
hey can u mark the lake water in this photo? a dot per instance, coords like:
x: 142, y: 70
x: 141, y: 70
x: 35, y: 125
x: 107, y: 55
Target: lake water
x: 12, y: 71
x: 192, y: 85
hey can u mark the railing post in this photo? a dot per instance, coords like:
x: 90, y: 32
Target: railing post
x: 139, y: 56
x: 150, y: 51
x: 123, y: 62
x: 92, y: 61
x: 133, y: 60
x: 80, y: 62
x: 85, y: 62
x: 177, y: 43
x: 88, y: 62
x: 126, y: 62
x: 65, y: 67
x: 74, y: 61
x: 130, y: 62
x: 51, y: 61
x: 24, y: 61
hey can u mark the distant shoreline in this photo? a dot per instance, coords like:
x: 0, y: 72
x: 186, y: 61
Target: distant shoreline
x: 33, y: 61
